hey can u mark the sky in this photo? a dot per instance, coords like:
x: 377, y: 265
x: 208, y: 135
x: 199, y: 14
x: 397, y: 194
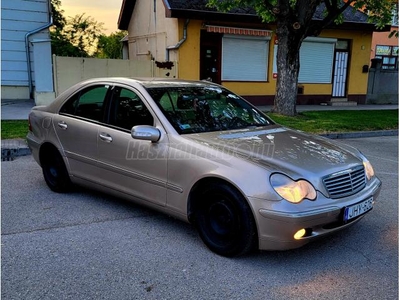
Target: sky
x: 104, y: 11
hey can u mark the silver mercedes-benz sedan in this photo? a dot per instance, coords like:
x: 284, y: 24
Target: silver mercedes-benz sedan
x: 200, y: 153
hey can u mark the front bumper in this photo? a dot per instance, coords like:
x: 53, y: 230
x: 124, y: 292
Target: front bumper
x: 278, y: 221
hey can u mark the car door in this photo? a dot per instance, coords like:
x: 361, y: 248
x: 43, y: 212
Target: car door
x: 77, y: 126
x: 134, y: 167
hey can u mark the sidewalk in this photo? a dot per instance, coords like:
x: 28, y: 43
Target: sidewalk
x: 19, y: 110
x: 16, y: 109
x: 301, y: 108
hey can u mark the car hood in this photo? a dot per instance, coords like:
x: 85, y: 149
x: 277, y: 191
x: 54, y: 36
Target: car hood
x: 281, y: 149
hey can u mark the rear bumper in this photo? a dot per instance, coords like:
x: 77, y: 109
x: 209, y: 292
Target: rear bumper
x: 34, y: 146
x: 276, y: 227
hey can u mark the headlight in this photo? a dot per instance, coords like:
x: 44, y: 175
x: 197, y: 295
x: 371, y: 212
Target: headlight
x: 369, y: 170
x: 292, y: 191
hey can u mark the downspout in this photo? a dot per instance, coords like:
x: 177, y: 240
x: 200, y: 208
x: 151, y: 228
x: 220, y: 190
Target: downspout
x: 180, y: 42
x: 28, y: 56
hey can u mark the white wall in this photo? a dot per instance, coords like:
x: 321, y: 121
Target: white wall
x: 150, y: 32
x: 71, y: 70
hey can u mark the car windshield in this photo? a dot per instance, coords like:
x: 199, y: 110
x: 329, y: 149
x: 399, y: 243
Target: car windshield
x: 195, y: 109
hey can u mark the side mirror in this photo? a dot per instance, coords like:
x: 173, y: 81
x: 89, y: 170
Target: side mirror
x: 146, y: 133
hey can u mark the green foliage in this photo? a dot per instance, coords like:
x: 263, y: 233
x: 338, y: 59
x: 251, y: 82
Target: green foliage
x: 75, y: 36
x: 62, y: 46
x: 57, y: 13
x: 110, y: 46
x: 263, y: 8
x: 83, y: 32
x: 294, y: 23
x: 12, y: 129
x: 82, y: 36
x: 379, y: 12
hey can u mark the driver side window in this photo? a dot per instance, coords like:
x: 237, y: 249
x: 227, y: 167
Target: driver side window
x: 128, y: 110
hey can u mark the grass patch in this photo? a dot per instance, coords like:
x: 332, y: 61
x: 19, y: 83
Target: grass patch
x: 340, y: 120
x: 12, y: 129
x: 309, y: 121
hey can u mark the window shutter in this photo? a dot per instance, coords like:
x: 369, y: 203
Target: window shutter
x: 244, y: 58
x: 316, y: 60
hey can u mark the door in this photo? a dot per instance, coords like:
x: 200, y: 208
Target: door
x: 339, y: 87
x: 135, y: 167
x: 210, y: 56
x: 77, y: 128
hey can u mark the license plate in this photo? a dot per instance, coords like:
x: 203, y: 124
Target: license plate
x: 350, y: 212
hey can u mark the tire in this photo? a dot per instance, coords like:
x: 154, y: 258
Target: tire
x: 55, y: 173
x: 225, y: 221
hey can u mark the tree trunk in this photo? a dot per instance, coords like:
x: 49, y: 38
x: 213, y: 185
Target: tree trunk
x: 288, y: 65
x: 291, y: 29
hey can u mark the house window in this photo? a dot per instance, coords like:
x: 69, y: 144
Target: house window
x: 316, y: 60
x: 389, y: 56
x: 244, y: 58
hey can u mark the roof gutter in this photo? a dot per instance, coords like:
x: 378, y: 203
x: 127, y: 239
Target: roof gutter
x: 27, y: 48
x: 175, y: 47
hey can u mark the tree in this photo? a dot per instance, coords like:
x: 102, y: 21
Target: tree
x: 76, y: 36
x: 60, y: 45
x: 57, y: 14
x: 110, y: 46
x: 83, y: 32
x: 294, y: 23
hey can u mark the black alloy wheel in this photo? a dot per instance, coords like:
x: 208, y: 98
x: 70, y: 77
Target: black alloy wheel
x: 225, y: 221
x: 55, y: 173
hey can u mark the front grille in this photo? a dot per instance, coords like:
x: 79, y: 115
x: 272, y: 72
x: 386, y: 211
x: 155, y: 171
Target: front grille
x: 345, y: 183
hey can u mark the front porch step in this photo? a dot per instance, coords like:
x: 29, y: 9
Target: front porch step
x: 342, y: 103
x: 339, y: 99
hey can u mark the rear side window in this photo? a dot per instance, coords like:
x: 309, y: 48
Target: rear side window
x: 88, y: 103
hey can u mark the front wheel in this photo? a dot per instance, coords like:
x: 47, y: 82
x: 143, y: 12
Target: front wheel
x: 225, y: 221
x: 55, y: 173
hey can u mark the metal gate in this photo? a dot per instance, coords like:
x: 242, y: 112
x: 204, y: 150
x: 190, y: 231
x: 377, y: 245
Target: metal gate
x: 340, y: 74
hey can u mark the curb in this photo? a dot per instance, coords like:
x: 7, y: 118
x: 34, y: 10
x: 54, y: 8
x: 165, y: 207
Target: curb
x: 10, y: 149
x: 361, y: 134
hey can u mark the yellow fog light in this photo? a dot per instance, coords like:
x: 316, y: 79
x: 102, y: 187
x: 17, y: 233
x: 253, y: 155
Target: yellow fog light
x: 299, y: 234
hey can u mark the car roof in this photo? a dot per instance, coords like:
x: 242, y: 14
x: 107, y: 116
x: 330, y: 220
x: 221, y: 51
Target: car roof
x: 146, y: 82
x: 149, y: 82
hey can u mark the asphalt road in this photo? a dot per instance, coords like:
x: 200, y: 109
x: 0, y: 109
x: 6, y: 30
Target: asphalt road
x: 86, y: 245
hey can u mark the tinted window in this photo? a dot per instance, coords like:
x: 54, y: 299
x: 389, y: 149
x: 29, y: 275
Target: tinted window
x: 88, y: 103
x: 128, y: 110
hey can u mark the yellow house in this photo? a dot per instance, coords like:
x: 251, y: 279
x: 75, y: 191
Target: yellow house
x: 238, y: 51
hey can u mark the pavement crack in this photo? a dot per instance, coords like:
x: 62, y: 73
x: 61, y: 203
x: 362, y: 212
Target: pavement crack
x: 69, y: 225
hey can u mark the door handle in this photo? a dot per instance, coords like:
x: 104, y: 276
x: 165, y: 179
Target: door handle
x: 105, y: 137
x: 62, y: 125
